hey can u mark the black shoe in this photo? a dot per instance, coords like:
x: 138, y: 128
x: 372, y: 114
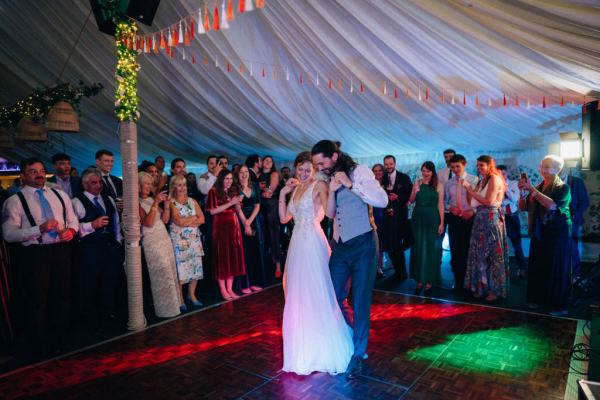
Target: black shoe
x: 354, y: 368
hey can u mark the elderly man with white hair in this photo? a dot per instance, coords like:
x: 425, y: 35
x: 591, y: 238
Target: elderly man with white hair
x: 550, y: 230
x: 100, y: 249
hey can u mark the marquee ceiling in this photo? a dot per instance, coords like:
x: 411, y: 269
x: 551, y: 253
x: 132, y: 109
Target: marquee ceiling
x: 486, y: 48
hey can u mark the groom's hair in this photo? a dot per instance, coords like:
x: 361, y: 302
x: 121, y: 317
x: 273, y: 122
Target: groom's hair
x: 345, y: 163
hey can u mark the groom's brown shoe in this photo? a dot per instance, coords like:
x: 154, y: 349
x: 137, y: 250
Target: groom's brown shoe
x: 354, y: 368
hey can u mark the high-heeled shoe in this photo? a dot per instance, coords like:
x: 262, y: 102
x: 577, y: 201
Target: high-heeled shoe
x: 278, y: 274
x: 247, y: 291
x: 183, y: 308
x: 256, y: 288
x: 418, y: 289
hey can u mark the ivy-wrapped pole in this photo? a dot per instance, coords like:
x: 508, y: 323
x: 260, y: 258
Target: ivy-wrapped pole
x: 127, y: 114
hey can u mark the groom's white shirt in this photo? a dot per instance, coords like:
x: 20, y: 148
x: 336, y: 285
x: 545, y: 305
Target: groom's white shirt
x: 365, y: 186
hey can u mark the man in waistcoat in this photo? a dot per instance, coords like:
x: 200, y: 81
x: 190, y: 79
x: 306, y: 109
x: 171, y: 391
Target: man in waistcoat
x: 101, y: 252
x: 41, y: 221
x: 353, y: 188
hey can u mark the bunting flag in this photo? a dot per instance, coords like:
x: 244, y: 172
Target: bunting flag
x: 230, y: 14
x: 517, y: 101
x: 544, y: 102
x: 477, y: 100
x: 216, y: 23
x: 206, y: 19
x: 504, y: 101
x: 464, y: 98
x: 426, y: 92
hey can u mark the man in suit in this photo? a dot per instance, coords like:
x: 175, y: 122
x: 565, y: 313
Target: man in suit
x: 101, y: 251
x: 445, y: 174
x: 580, y: 201
x: 395, y: 232
x: 62, y: 178
x: 111, y: 185
x: 254, y: 164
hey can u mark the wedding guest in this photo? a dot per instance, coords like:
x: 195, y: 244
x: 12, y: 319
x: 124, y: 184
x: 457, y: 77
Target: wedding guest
x: 159, y: 161
x: 488, y: 264
x: 186, y: 217
x: 100, y: 249
x: 178, y: 167
x: 227, y: 247
x: 193, y: 191
x: 111, y: 185
x: 158, y: 249
x: 580, y: 201
x: 378, y: 215
x: 157, y: 181
x: 62, y: 177
x: 445, y: 174
x: 41, y: 221
x: 208, y: 179
x: 254, y: 164
x: 286, y: 174
x: 427, y: 224
x: 547, y: 204
x: 459, y: 218
x: 510, y: 208
x: 235, y: 169
x: 395, y: 232
x: 268, y: 182
x: 223, y: 161
x: 252, y: 232
x: 74, y: 172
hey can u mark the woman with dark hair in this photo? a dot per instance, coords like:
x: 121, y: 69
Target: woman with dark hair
x: 252, y: 232
x: 488, y: 264
x: 427, y: 224
x: 227, y: 248
x: 268, y: 182
x: 549, y: 229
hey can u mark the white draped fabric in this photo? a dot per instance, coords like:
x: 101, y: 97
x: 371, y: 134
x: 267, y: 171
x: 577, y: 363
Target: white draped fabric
x: 526, y: 47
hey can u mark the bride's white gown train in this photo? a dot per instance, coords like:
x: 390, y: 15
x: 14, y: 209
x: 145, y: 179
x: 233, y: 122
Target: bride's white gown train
x: 315, y: 334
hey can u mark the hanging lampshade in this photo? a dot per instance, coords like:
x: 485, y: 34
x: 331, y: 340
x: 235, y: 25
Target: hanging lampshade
x: 62, y: 118
x: 29, y: 130
x: 6, y: 141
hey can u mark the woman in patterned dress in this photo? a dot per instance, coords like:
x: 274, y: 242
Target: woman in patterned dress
x: 488, y: 263
x: 186, y: 217
x: 158, y: 249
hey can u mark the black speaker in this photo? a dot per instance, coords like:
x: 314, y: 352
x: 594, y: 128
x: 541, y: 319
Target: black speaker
x: 141, y: 10
x: 590, y: 133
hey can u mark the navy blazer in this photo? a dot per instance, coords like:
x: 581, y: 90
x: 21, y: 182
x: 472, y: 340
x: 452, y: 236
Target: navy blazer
x: 75, y: 181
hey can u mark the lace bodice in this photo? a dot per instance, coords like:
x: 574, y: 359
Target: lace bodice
x: 303, y: 210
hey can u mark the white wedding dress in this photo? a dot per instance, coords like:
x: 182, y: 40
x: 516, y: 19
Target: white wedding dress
x: 315, y: 334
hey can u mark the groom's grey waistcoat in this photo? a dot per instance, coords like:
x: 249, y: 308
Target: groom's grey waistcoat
x: 351, y: 215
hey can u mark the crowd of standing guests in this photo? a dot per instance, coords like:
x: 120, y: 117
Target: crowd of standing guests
x: 480, y: 214
x: 223, y: 226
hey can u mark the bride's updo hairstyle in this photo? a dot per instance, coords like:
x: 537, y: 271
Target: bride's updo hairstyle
x: 303, y: 157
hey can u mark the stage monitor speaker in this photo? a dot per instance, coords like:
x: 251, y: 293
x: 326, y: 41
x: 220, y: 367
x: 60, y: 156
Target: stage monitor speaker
x: 141, y: 10
x: 590, y: 134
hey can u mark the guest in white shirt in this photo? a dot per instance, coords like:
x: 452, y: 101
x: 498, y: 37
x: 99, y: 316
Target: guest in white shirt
x: 445, y: 174
x: 101, y: 252
x: 459, y: 217
x: 208, y: 179
x: 510, y: 206
x: 42, y: 221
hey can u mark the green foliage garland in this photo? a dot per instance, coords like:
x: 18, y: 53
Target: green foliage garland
x: 41, y: 100
x: 126, y: 103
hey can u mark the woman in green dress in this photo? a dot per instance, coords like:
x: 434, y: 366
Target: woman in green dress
x: 427, y: 224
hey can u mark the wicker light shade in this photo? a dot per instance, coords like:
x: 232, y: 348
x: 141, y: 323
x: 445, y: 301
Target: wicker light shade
x: 6, y: 141
x: 62, y: 118
x: 31, y: 131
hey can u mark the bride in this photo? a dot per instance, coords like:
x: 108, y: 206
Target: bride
x: 315, y: 334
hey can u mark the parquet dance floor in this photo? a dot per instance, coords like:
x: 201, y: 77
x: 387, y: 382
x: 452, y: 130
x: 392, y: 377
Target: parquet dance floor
x: 419, y: 349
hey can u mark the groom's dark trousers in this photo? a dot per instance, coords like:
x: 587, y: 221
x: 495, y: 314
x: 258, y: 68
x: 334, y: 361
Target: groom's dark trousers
x: 352, y: 265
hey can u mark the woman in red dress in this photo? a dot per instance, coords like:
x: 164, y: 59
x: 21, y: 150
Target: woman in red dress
x: 223, y: 204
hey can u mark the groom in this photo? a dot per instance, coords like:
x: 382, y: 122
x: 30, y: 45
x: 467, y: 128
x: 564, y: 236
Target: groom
x: 352, y: 188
